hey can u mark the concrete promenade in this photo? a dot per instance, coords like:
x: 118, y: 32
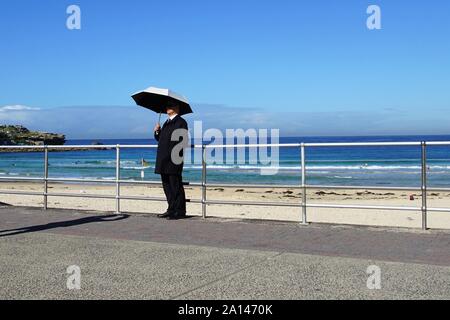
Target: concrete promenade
x: 143, y: 257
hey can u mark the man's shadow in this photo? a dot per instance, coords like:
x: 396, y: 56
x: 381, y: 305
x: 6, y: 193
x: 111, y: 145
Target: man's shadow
x: 64, y: 224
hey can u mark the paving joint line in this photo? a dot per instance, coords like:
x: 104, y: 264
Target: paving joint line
x: 229, y: 275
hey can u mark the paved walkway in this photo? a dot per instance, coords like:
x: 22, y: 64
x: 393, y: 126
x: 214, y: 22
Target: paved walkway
x: 143, y: 257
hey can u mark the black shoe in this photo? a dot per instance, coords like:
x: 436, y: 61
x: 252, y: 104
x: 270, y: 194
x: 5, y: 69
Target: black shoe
x: 176, y: 216
x: 164, y: 215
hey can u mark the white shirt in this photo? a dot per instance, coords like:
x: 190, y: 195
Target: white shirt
x: 170, y: 118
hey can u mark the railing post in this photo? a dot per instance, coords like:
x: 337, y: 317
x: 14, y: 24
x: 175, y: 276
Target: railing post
x: 424, y: 185
x: 303, y: 161
x: 117, y: 179
x: 203, y: 181
x: 45, y: 177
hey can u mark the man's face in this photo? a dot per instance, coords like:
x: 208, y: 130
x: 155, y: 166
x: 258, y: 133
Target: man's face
x: 172, y: 110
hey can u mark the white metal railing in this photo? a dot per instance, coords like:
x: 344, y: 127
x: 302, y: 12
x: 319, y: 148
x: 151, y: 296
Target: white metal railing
x: 204, y: 185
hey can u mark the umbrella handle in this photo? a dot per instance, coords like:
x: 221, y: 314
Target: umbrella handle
x: 159, y: 120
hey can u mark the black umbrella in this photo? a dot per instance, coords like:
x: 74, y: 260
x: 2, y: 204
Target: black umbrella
x: 157, y: 100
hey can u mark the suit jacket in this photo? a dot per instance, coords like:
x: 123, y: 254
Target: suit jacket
x: 164, y: 163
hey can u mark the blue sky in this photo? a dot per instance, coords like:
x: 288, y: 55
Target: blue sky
x: 306, y: 67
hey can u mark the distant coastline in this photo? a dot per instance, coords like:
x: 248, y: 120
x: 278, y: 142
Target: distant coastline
x: 35, y: 150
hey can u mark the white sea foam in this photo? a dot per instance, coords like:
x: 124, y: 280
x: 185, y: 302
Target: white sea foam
x: 322, y: 169
x: 343, y: 177
x: 99, y: 178
x: 137, y: 168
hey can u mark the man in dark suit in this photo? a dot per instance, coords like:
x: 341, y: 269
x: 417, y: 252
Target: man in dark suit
x: 172, y: 137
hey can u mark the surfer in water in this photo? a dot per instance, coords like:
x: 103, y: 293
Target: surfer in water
x: 144, y: 163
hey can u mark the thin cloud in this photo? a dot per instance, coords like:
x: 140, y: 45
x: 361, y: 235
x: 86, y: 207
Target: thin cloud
x: 18, y: 108
x: 131, y: 122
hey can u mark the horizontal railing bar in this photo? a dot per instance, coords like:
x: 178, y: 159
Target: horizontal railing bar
x: 363, y: 187
x: 281, y: 204
x: 96, y: 196
x: 59, y: 147
x: 254, y: 203
x: 86, y: 180
x: 140, y: 182
x: 336, y: 206
x: 23, y: 147
x: 102, y: 181
x: 281, y: 145
x: 25, y: 193
x: 80, y: 180
x: 193, y: 184
x: 216, y: 185
x: 155, y: 199
x: 263, y: 186
x: 142, y: 198
x: 21, y: 179
x: 224, y: 185
x: 438, y: 189
x: 120, y: 181
x: 84, y: 195
x: 438, y: 143
x: 262, y: 145
x: 439, y: 209
x: 362, y: 144
x: 138, y: 146
x: 99, y: 196
x: 143, y: 146
x: 334, y: 144
x: 292, y: 145
x: 158, y: 183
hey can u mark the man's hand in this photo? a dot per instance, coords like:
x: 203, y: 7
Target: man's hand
x: 157, y: 128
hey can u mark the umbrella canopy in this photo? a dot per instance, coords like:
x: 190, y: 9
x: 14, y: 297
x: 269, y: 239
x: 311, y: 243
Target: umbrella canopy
x: 157, y: 99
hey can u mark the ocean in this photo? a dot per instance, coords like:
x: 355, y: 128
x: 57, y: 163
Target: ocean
x: 356, y: 166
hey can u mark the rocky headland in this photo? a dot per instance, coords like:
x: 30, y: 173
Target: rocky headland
x: 17, y: 135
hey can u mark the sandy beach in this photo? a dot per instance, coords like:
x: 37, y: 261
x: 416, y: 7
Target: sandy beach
x: 371, y: 217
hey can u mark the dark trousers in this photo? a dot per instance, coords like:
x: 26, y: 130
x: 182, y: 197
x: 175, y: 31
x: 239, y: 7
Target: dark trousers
x: 173, y: 188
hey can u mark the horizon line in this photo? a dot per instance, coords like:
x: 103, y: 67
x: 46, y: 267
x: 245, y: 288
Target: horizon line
x: 291, y: 136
